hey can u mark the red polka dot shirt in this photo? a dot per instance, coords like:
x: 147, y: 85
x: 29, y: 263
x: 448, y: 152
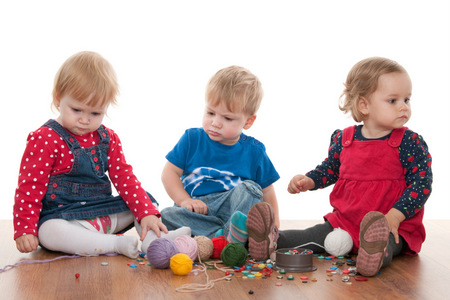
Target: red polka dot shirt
x: 47, y: 154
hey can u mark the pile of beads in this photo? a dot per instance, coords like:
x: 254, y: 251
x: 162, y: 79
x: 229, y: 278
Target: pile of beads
x: 254, y: 269
x: 296, y: 252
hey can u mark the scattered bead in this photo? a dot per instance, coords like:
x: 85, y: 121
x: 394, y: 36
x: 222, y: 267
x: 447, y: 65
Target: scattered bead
x: 228, y: 279
x: 251, y: 292
x: 290, y: 277
x: 104, y: 263
x: 304, y: 278
x: 282, y: 271
x: 361, y: 278
x: 345, y: 278
x: 278, y: 283
x: 77, y: 275
x: 314, y: 280
x: 279, y: 277
x: 133, y: 266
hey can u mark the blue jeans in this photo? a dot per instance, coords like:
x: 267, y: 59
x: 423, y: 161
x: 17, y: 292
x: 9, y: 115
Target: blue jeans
x: 220, y: 208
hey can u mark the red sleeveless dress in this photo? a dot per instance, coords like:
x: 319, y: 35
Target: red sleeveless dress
x: 372, y: 179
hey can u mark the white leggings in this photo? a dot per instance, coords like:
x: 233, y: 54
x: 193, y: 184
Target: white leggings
x: 75, y: 238
x: 80, y: 237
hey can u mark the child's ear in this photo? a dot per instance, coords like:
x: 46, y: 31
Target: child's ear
x: 363, y: 105
x: 249, y: 122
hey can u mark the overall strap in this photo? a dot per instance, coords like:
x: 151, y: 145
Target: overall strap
x: 396, y: 137
x: 103, y: 136
x: 68, y: 138
x: 347, y: 136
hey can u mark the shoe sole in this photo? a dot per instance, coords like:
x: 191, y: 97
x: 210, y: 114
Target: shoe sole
x: 373, y: 237
x: 260, y: 226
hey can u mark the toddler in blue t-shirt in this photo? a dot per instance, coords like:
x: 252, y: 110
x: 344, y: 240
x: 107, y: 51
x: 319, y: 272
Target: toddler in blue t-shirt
x: 215, y: 174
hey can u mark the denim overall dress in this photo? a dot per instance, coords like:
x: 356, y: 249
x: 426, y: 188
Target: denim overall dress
x: 85, y: 191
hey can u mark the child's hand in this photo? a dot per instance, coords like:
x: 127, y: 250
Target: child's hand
x: 152, y: 223
x: 27, y: 243
x: 196, y: 206
x: 300, y: 183
x: 394, y: 218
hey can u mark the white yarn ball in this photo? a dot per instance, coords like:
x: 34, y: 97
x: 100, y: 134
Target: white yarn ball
x: 338, y: 242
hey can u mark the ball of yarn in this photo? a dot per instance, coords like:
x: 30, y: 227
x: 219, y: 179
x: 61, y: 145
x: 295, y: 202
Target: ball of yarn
x: 338, y: 242
x: 181, y: 264
x: 234, y: 254
x: 219, y: 244
x: 187, y: 245
x: 160, y: 251
x: 204, y: 247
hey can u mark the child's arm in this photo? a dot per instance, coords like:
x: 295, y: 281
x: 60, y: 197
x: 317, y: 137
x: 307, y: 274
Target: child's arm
x: 270, y: 197
x: 416, y: 162
x: 126, y: 182
x: 172, y: 183
x: 324, y: 174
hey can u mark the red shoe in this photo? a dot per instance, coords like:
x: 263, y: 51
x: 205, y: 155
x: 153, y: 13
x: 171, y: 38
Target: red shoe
x: 373, y: 238
x: 262, y: 232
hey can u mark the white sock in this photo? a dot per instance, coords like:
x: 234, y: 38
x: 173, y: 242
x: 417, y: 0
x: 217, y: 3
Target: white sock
x: 171, y: 235
x: 71, y: 237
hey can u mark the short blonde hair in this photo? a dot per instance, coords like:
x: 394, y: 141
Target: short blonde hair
x: 87, y: 77
x: 237, y: 87
x: 362, y: 81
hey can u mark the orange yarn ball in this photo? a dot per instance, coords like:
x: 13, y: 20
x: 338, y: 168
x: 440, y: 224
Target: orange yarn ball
x: 218, y: 244
x: 181, y: 264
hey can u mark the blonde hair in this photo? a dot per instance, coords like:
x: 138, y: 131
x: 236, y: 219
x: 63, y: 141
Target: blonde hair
x: 362, y: 81
x: 237, y: 87
x: 87, y: 77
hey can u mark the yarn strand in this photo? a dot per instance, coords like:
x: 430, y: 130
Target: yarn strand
x: 197, y: 287
x: 9, y: 267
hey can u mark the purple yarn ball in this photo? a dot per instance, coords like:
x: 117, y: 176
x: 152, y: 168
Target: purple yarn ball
x: 160, y: 251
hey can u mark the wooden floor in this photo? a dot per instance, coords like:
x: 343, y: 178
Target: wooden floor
x: 426, y: 276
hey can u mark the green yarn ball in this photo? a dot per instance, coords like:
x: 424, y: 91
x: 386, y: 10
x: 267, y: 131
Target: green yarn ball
x: 234, y: 255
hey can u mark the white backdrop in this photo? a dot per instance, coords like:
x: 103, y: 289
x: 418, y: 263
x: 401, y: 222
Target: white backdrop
x: 164, y: 52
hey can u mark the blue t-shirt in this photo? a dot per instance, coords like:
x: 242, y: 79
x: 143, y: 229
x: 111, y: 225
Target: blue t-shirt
x: 210, y: 167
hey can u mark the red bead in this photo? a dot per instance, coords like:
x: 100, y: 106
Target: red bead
x: 227, y: 273
x: 77, y: 275
x: 361, y: 278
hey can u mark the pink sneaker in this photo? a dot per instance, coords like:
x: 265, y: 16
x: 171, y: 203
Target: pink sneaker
x: 262, y: 232
x: 373, y: 238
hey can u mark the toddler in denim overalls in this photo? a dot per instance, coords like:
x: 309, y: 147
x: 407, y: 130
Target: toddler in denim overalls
x: 64, y: 199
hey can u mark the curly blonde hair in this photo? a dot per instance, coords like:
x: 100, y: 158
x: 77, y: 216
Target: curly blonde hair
x: 237, y: 87
x: 362, y: 81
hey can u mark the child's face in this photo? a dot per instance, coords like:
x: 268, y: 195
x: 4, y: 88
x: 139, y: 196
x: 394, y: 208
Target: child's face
x: 79, y: 118
x: 389, y: 106
x: 224, y: 126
